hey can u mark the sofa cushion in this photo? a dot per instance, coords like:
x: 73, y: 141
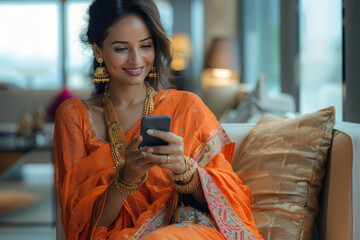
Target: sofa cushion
x: 283, y: 162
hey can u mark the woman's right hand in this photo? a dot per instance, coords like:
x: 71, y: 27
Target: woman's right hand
x: 135, y: 163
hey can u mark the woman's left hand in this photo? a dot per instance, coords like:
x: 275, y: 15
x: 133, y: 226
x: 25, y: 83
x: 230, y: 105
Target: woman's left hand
x: 167, y: 156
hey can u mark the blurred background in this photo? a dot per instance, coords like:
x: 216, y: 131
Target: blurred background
x: 242, y: 57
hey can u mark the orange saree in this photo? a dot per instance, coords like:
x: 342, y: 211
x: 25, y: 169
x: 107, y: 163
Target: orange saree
x: 84, y: 170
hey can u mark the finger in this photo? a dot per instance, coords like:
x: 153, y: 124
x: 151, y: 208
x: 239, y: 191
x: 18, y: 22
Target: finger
x: 136, y: 169
x: 134, y: 144
x: 142, y: 162
x: 136, y: 164
x: 146, y: 149
x: 172, y: 149
x: 155, y: 158
x: 166, y: 136
x: 147, y: 166
x: 134, y: 155
x: 169, y: 166
x: 164, y: 159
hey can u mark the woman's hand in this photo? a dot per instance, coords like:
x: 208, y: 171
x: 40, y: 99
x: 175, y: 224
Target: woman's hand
x: 167, y: 156
x: 135, y: 162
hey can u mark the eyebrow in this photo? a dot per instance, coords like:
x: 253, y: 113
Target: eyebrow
x: 124, y: 42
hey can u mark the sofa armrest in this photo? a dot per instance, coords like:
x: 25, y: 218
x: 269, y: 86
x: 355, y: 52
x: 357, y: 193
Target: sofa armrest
x: 353, y: 131
x: 334, y: 220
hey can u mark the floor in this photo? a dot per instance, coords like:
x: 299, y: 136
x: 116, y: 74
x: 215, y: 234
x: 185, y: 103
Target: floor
x: 27, y: 233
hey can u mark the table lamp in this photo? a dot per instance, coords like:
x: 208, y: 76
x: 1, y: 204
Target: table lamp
x: 220, y: 78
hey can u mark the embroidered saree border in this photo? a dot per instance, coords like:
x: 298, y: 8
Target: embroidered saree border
x: 213, y: 144
x: 155, y: 221
x: 230, y: 225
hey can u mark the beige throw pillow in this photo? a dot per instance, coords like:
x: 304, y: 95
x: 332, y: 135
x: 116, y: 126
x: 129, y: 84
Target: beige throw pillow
x: 283, y: 162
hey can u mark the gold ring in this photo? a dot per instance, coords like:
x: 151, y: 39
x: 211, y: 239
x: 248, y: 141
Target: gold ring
x: 168, y: 159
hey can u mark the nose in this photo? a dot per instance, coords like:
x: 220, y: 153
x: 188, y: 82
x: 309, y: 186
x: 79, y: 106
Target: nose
x: 134, y: 57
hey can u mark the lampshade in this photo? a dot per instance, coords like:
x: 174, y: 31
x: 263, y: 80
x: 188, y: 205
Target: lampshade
x: 220, y: 78
x: 224, y: 54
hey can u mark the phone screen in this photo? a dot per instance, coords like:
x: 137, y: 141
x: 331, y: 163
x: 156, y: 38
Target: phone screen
x: 156, y: 122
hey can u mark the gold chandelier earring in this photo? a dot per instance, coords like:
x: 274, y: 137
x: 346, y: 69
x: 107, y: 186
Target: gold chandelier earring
x: 101, y: 75
x: 153, y: 73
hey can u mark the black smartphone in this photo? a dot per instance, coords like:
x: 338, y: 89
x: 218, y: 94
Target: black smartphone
x: 156, y: 122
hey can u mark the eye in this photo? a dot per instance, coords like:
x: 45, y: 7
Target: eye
x: 146, y: 46
x: 121, y: 49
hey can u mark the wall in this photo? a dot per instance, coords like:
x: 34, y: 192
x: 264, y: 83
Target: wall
x: 15, y: 102
x: 220, y: 20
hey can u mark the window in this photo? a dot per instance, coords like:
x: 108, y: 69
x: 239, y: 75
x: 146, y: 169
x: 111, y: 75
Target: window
x: 261, y: 42
x: 29, y: 44
x: 78, y: 58
x: 320, y: 55
x: 166, y: 15
x: 320, y: 32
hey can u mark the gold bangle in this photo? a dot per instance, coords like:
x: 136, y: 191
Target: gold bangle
x: 127, y: 188
x: 191, y: 166
x: 187, y: 163
x: 189, y: 187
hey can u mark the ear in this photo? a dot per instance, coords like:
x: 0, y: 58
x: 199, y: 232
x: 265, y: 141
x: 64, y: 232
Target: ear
x: 97, y: 51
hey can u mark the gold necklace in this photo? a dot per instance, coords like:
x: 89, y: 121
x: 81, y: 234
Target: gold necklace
x: 118, y: 143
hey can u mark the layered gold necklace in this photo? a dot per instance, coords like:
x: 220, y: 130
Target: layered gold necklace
x: 118, y: 143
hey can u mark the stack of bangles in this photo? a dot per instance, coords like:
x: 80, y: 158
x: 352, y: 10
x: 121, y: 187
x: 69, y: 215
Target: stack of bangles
x: 191, y: 170
x: 124, y: 187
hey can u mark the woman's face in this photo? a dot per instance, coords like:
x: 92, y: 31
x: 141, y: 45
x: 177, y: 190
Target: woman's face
x: 128, y: 50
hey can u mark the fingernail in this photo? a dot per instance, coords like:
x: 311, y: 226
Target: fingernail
x: 149, y: 131
x: 143, y: 153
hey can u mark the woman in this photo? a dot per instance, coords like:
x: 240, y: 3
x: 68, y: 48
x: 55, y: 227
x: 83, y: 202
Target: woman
x: 110, y: 188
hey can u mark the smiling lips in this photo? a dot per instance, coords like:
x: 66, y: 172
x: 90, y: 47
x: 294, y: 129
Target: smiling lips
x: 134, y: 71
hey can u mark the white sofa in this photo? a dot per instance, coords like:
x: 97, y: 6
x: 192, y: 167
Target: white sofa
x: 339, y: 216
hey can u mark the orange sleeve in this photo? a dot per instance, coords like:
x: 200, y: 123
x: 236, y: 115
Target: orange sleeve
x: 80, y: 178
x: 69, y: 145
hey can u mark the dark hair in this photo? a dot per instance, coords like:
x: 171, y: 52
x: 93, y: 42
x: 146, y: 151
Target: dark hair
x: 105, y: 13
